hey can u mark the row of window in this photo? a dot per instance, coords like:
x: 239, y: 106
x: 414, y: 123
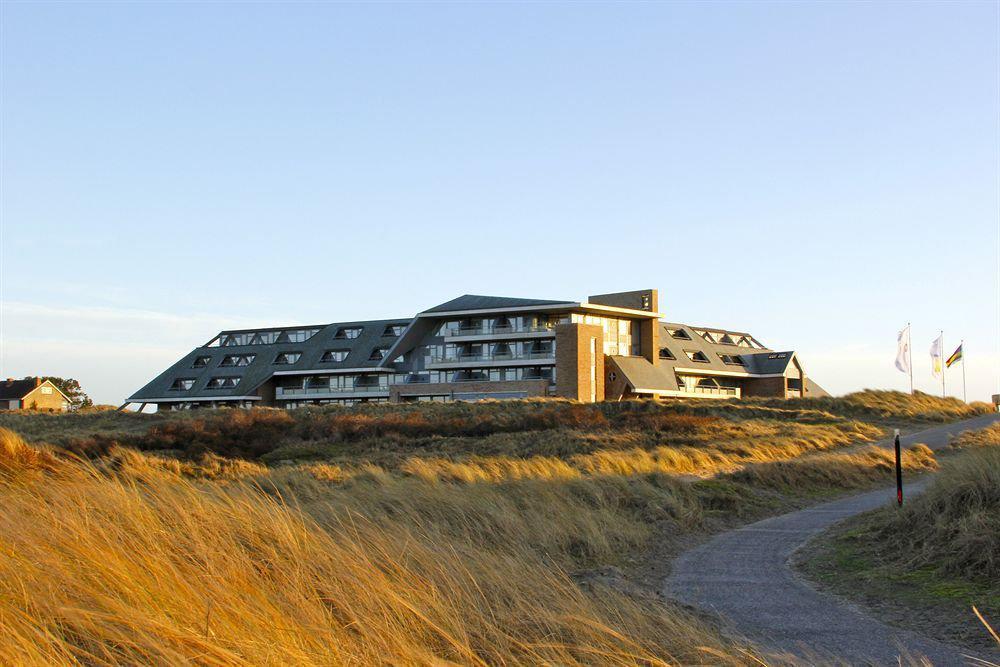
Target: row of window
x: 700, y: 357
x: 284, y: 358
x: 184, y: 384
x: 718, y: 337
x: 293, y: 336
x: 382, y: 381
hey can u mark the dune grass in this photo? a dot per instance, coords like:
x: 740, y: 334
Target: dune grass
x: 135, y: 558
x: 391, y: 534
x: 928, y: 562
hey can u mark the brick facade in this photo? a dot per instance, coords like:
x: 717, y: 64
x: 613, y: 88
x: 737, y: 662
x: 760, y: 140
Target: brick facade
x: 575, y: 353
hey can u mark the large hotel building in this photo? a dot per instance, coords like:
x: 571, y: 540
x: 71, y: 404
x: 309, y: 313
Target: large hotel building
x: 609, y: 347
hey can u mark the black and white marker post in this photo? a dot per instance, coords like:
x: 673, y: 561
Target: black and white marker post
x: 899, y: 472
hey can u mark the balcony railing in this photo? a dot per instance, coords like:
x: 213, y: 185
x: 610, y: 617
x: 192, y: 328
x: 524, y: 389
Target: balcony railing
x: 481, y: 358
x: 711, y: 391
x: 360, y: 389
x: 496, y: 331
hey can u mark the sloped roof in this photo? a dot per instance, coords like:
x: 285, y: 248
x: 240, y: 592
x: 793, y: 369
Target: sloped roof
x: 768, y: 363
x: 16, y: 389
x: 480, y: 302
x: 263, y: 366
x: 641, y: 374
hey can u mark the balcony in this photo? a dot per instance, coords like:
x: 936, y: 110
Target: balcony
x: 330, y: 392
x: 498, y: 333
x: 719, y: 392
x: 478, y: 360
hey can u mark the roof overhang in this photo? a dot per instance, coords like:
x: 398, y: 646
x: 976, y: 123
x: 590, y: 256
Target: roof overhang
x: 190, y: 399
x: 334, y: 371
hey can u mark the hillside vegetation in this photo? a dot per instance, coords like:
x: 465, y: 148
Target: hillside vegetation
x: 938, y: 554
x: 413, y: 534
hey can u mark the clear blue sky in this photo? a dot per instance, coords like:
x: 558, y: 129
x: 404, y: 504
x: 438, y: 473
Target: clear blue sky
x: 816, y: 173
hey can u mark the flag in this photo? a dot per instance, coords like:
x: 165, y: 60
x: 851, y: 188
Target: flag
x: 937, y: 355
x: 903, y: 350
x: 955, y: 357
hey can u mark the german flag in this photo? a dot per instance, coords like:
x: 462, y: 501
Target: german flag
x: 955, y: 357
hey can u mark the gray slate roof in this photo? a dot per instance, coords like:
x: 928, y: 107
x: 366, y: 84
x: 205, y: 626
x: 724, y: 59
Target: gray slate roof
x: 16, y: 389
x: 643, y: 375
x: 263, y: 366
x: 479, y: 302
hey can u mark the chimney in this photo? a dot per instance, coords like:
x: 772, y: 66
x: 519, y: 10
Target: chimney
x: 38, y: 382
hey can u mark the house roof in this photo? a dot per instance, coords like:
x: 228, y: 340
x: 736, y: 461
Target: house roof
x: 480, y: 302
x: 18, y: 389
x: 262, y: 368
x: 641, y: 374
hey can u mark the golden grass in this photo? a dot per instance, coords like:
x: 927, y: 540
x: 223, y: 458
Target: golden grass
x: 419, y: 535
x: 153, y: 569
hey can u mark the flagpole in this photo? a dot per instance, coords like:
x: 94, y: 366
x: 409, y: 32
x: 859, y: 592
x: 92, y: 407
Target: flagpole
x: 909, y: 351
x: 943, y: 348
x: 965, y: 397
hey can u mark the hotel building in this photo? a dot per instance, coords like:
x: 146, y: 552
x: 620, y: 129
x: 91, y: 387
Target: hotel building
x: 608, y: 347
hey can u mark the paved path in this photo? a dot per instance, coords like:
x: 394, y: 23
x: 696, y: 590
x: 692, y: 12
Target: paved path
x: 744, y: 576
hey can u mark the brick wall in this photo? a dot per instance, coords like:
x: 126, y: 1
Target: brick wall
x: 37, y: 400
x: 573, y: 358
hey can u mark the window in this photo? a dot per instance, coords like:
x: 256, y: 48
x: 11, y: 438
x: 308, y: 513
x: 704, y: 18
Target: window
x: 393, y: 330
x: 679, y: 334
x: 300, y: 335
x: 732, y: 359
x: 265, y: 338
x: 696, y: 355
x: 665, y: 353
x: 222, y: 383
x: 726, y: 340
x: 182, y: 384
x: 348, y: 332
x: 201, y: 362
x: 46, y: 390
x: 335, y: 355
x: 778, y: 355
x: 377, y: 353
x: 707, y: 335
x: 286, y: 358
x: 237, y: 360
x: 744, y: 342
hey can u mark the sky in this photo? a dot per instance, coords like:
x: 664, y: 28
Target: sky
x: 818, y: 174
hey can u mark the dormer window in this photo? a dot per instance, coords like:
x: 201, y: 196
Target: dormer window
x: 665, y: 353
x: 335, y: 355
x: 348, y: 333
x: 726, y: 340
x: 696, y: 355
x: 300, y: 335
x: 378, y: 353
x: 287, y: 358
x: 237, y: 360
x: 393, y: 330
x: 182, y: 384
x: 778, y: 355
x: 265, y: 338
x: 201, y: 362
x: 732, y: 359
x: 679, y: 334
x: 222, y: 383
x: 744, y: 342
x: 707, y: 335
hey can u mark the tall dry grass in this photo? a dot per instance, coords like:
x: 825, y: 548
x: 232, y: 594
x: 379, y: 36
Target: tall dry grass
x: 104, y: 567
x: 954, y: 526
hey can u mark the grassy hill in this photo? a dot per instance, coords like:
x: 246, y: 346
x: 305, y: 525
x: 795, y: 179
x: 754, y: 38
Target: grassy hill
x: 465, y: 533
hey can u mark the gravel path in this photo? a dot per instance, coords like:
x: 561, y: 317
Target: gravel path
x: 744, y: 576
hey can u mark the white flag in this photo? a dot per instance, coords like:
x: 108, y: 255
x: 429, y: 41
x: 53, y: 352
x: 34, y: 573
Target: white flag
x: 937, y: 353
x: 903, y: 350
